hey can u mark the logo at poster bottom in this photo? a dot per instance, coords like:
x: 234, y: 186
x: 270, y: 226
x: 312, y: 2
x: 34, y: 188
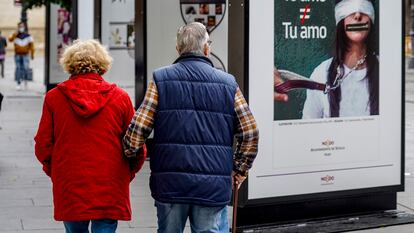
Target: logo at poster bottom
x: 326, y: 180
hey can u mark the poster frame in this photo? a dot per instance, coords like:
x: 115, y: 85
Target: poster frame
x: 140, y: 51
x: 244, y: 201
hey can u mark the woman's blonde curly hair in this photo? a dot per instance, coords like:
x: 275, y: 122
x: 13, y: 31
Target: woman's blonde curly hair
x: 86, y: 56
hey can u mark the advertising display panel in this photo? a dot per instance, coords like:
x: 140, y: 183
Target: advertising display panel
x: 325, y: 86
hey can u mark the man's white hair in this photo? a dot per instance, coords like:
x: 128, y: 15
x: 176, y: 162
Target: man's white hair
x: 191, y: 38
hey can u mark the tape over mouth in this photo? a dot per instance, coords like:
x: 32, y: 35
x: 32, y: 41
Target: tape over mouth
x: 354, y: 27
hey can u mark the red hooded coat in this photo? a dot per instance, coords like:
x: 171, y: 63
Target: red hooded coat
x: 79, y: 144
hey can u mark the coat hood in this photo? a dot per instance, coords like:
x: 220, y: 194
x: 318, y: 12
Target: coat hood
x: 87, y: 93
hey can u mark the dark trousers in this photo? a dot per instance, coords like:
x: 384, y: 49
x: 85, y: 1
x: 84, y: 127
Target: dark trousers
x: 2, y: 68
x: 1, y: 100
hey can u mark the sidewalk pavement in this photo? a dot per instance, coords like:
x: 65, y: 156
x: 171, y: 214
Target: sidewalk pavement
x: 25, y: 191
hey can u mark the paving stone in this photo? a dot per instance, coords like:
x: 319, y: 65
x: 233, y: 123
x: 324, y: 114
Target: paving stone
x: 22, y: 212
x: 8, y: 193
x: 7, y: 203
x: 33, y: 231
x: 42, y: 201
x: 41, y: 224
x: 10, y: 224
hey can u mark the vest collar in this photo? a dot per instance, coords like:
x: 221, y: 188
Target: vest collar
x: 194, y: 57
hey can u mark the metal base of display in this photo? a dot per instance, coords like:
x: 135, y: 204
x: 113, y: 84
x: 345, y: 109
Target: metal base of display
x: 345, y: 224
x: 258, y: 218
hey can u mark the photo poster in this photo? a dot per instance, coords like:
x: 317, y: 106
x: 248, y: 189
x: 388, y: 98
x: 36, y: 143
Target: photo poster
x: 122, y: 36
x: 302, y: 44
x: 118, y: 34
x: 64, y: 32
x: 61, y: 36
x: 321, y: 154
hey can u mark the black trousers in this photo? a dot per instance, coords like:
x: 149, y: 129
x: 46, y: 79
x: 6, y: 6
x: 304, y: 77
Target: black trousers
x: 1, y: 100
x: 2, y: 68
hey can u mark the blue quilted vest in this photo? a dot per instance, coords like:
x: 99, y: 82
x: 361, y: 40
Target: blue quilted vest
x: 193, y: 133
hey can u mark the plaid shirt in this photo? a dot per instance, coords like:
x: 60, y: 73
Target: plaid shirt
x: 247, y: 134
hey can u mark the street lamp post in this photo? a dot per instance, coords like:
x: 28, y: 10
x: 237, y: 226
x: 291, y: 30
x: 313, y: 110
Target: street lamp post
x: 411, y: 63
x: 23, y: 15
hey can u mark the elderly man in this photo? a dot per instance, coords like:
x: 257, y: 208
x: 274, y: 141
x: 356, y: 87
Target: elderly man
x: 195, y: 111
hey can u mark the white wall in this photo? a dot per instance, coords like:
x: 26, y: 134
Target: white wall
x: 85, y: 19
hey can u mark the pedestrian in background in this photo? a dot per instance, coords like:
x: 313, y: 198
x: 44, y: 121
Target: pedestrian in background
x: 195, y: 111
x: 79, y: 143
x: 3, y: 45
x: 23, y: 48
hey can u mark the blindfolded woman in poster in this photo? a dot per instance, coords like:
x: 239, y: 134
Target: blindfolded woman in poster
x: 352, y: 74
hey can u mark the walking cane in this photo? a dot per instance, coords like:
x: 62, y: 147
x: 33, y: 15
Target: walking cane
x: 235, y: 202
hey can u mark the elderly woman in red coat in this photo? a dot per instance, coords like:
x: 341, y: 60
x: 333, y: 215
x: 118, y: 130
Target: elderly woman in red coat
x: 79, y: 143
